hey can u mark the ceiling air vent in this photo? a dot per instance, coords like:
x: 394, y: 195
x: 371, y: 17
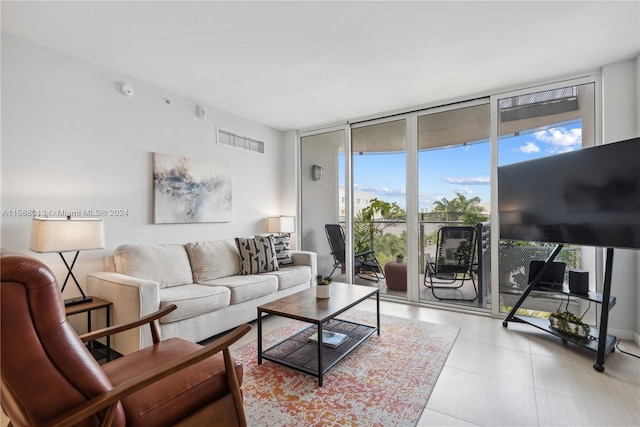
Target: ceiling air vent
x: 232, y: 140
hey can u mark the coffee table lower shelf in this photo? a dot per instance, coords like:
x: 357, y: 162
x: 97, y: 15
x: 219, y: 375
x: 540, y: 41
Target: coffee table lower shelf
x: 301, y: 353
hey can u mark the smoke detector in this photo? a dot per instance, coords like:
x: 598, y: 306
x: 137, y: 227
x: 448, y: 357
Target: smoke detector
x: 126, y: 89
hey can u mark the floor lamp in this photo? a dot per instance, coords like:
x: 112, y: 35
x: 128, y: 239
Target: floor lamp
x: 67, y: 235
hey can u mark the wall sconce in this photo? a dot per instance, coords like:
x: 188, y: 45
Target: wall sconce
x: 316, y: 172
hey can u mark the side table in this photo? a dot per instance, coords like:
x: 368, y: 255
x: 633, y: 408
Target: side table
x: 88, y: 307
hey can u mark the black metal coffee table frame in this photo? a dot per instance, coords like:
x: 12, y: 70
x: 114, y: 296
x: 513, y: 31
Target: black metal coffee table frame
x: 313, y: 357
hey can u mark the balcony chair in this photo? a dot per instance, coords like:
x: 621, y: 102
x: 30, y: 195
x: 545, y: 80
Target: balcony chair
x: 365, y: 264
x: 454, y: 263
x: 49, y: 377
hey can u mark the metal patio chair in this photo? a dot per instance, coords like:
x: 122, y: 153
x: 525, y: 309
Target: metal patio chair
x: 454, y: 263
x: 365, y: 264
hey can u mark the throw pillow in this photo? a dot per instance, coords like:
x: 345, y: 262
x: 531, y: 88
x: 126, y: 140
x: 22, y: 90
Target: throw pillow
x: 257, y: 255
x: 283, y: 249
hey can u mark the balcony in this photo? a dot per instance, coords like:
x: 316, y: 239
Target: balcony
x: 392, y: 242
x: 513, y: 266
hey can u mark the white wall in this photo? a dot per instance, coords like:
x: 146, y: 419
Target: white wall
x: 71, y: 141
x: 620, y: 91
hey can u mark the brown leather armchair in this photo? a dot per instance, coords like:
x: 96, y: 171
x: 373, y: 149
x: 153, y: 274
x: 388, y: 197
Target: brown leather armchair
x: 49, y: 378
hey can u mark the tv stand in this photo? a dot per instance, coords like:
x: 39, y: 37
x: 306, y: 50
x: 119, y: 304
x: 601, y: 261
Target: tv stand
x: 603, y: 343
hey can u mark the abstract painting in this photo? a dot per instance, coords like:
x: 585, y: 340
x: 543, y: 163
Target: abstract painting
x: 189, y: 190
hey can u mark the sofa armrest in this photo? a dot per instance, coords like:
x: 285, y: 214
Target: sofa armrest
x: 132, y: 299
x: 307, y: 258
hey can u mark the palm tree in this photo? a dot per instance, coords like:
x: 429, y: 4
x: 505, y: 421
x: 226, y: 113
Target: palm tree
x: 465, y: 205
x: 365, y: 226
x: 460, y: 206
x: 445, y: 207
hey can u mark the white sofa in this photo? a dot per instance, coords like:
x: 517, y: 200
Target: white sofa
x: 202, y: 278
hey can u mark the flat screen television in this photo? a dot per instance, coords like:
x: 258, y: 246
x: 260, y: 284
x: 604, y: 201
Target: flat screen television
x: 587, y: 197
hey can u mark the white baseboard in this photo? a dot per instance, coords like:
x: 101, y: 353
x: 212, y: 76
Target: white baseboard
x: 625, y: 334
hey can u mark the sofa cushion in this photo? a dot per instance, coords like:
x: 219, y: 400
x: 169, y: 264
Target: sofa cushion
x: 214, y: 259
x: 282, y: 244
x: 257, y: 255
x: 291, y: 276
x: 166, y: 264
x: 247, y: 287
x: 193, y: 300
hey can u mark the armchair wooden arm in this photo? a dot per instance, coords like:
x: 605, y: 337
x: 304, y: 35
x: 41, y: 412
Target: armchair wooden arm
x: 112, y: 397
x: 150, y: 319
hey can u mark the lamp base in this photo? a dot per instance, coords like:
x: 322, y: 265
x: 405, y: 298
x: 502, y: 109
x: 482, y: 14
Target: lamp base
x: 76, y: 301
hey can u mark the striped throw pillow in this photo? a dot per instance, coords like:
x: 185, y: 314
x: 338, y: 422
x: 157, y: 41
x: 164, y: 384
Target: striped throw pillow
x: 283, y: 249
x: 257, y: 255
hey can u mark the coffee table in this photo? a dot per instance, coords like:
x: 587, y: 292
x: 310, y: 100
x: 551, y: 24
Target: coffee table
x: 309, y: 356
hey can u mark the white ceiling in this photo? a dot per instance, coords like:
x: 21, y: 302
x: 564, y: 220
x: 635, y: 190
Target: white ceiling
x: 302, y: 64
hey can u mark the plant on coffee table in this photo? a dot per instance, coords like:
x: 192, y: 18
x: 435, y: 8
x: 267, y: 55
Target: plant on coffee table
x: 323, y: 281
x: 323, y: 289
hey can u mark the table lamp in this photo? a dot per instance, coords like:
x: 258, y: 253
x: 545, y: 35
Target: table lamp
x: 281, y: 224
x: 67, y: 235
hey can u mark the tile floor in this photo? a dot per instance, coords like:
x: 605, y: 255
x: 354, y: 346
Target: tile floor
x: 518, y: 376
x: 457, y: 295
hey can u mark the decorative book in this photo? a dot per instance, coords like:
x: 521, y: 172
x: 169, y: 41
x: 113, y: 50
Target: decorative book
x: 330, y: 339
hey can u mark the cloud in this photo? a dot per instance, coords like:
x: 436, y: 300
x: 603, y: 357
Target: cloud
x: 478, y: 180
x: 529, y: 147
x: 426, y: 200
x: 461, y: 190
x: 560, y: 139
x: 380, y: 191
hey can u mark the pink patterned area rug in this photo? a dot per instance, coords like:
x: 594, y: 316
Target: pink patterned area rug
x: 385, y: 381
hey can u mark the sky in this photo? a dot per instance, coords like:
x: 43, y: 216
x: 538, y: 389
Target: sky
x: 465, y: 169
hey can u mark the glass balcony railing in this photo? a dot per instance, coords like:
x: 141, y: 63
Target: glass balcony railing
x: 515, y: 258
x: 391, y: 241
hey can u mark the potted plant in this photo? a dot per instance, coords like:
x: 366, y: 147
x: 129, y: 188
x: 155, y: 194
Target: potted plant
x: 323, y: 287
x: 569, y: 323
x: 400, y: 258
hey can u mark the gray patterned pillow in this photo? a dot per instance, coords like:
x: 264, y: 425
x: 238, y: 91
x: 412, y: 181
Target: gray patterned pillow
x: 283, y: 249
x: 257, y: 255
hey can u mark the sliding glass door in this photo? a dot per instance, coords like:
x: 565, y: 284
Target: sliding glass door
x: 379, y: 204
x: 534, y: 124
x: 454, y: 191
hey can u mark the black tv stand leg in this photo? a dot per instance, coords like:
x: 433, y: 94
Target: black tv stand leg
x: 604, y: 316
x: 510, y: 317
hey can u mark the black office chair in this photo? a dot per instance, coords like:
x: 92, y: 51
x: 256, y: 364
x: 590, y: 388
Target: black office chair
x: 454, y: 263
x: 365, y: 264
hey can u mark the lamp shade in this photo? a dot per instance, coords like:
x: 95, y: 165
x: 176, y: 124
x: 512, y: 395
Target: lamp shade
x: 281, y: 224
x: 66, y: 234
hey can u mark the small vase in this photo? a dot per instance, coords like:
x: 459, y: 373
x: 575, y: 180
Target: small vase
x: 323, y: 291
x: 399, y: 260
